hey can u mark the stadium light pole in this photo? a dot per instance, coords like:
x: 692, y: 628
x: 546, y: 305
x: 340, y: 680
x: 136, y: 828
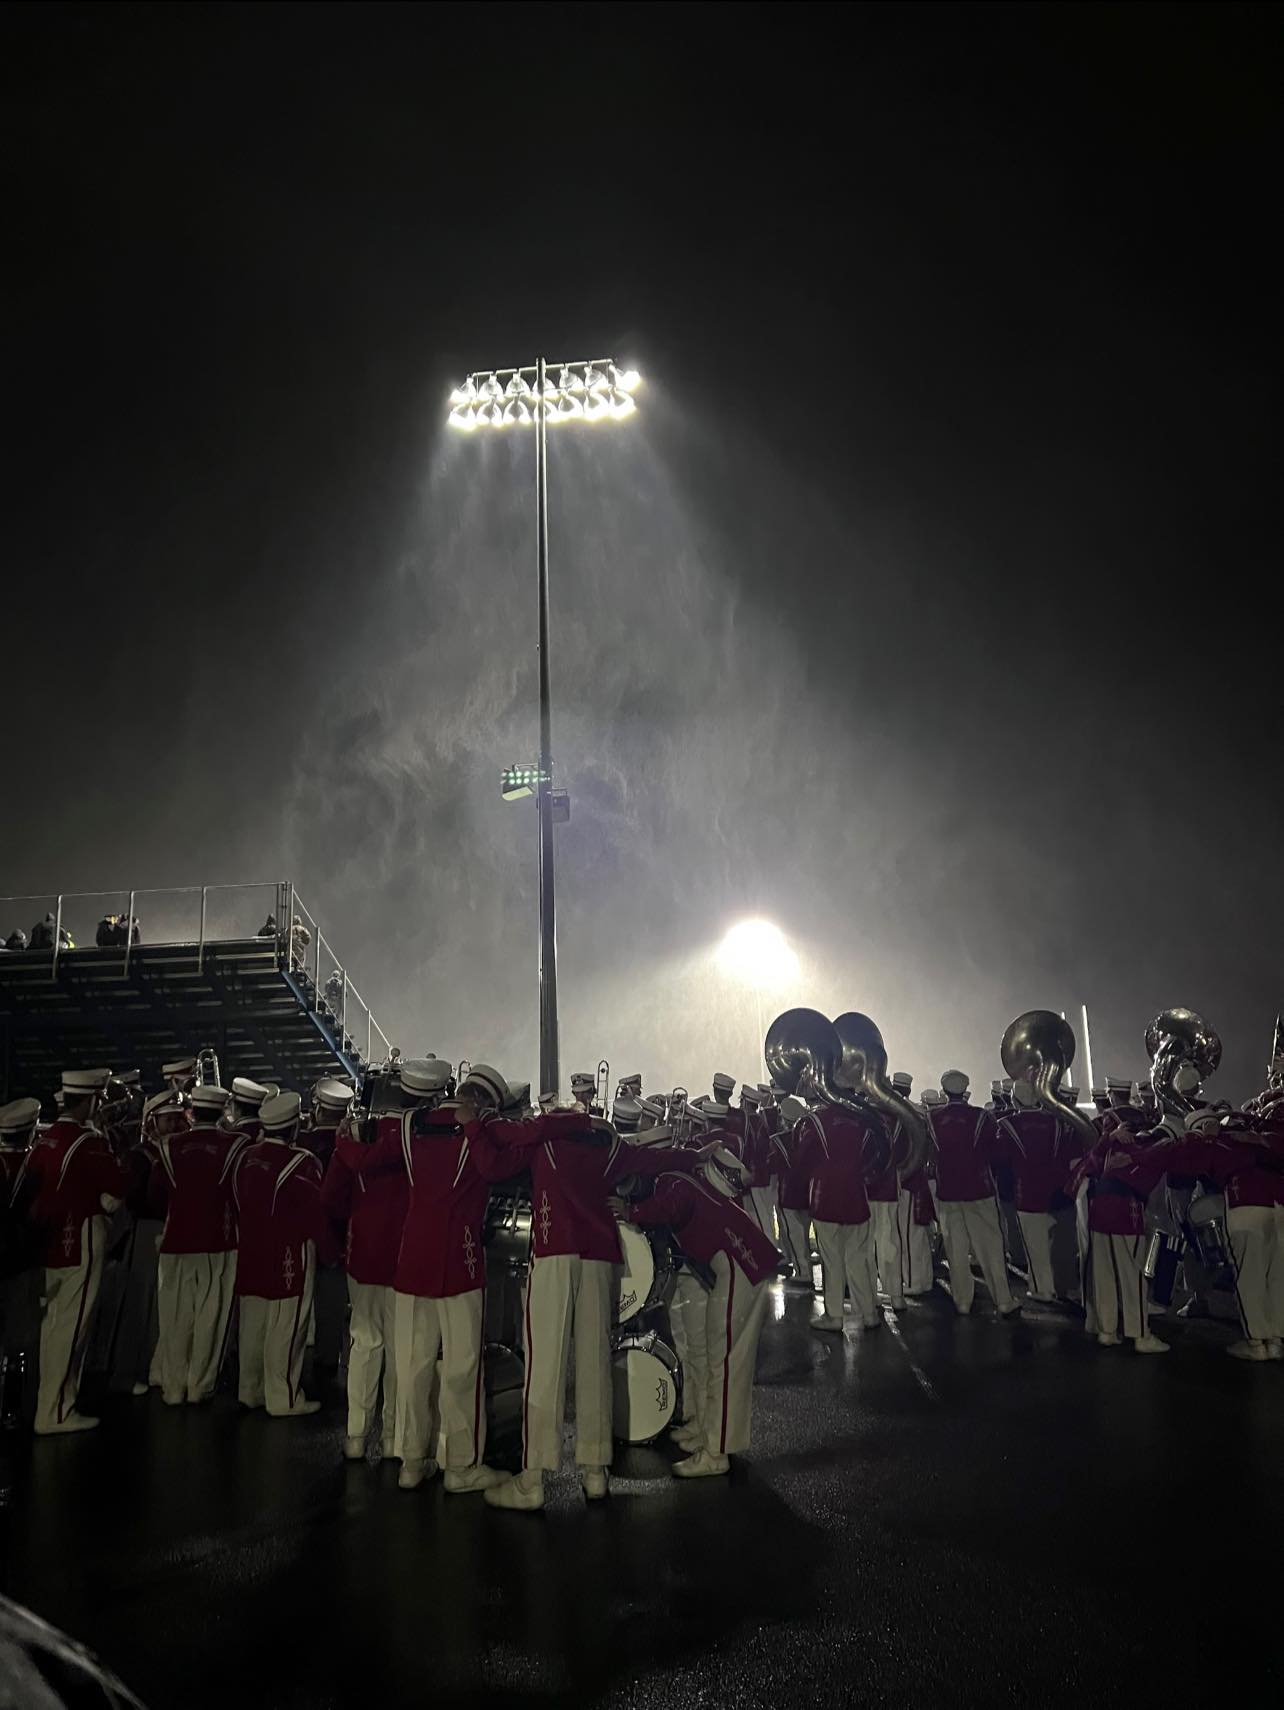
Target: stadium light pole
x: 505, y: 398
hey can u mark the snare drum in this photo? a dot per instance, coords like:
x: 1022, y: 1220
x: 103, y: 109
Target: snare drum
x: 1206, y: 1216
x: 646, y: 1378
x: 644, y: 1272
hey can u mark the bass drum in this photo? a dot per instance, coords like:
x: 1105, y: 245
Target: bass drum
x: 646, y: 1378
x: 644, y: 1272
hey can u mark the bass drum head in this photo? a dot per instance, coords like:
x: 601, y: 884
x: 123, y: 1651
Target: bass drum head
x: 647, y: 1385
x: 637, y: 1273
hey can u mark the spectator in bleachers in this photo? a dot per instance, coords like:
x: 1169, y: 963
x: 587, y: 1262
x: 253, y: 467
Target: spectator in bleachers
x: 108, y: 931
x: 17, y: 940
x: 42, y: 935
x: 300, y: 938
x: 268, y: 928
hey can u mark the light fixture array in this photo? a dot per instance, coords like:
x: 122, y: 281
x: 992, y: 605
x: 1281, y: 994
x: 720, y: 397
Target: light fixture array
x: 583, y: 391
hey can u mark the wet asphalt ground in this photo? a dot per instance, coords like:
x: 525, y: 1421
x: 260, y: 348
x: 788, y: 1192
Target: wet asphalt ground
x: 945, y: 1511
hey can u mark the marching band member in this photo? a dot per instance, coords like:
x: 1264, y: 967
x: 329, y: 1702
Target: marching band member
x: 757, y: 1156
x: 833, y: 1143
x: 966, y: 1143
x: 584, y: 1092
x: 438, y: 1285
x: 276, y: 1185
x: 1119, y: 1175
x: 191, y: 1186
x: 180, y: 1075
x: 331, y: 1102
x: 575, y: 1248
x: 247, y: 1101
x: 716, y: 1235
x: 75, y: 1184
x: 1041, y: 1150
x: 884, y: 1192
x: 19, y: 1254
x: 793, y: 1193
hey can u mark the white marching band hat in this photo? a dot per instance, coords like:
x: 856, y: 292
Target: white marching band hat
x: 724, y: 1084
x: 629, y: 1083
x: 1199, y: 1119
x: 749, y: 1095
x: 996, y: 1087
x: 80, y: 1083
x: 332, y: 1094
x: 246, y: 1091
x: 932, y: 1096
x: 160, y: 1102
x: 423, y: 1076
x: 21, y: 1114
x: 584, y: 1080
x: 127, y: 1077
x: 1069, y: 1094
x: 1098, y: 1092
x: 488, y: 1086
x: 280, y: 1111
x: 955, y: 1081
x: 651, y: 1107
x: 180, y: 1066
x: 209, y: 1098
x: 626, y: 1113
x: 1115, y: 1084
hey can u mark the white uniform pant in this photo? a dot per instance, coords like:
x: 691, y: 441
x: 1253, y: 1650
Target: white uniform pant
x: 734, y: 1309
x: 917, y: 1274
x: 274, y: 1339
x: 1115, y: 1267
x: 687, y: 1310
x: 1048, y: 1240
x: 765, y: 1211
x: 797, y: 1233
x: 440, y: 1414
x: 71, y: 1293
x: 971, y: 1226
x: 1256, y: 1234
x: 889, y: 1261
x: 847, y: 1257
x: 194, y: 1294
x: 567, y: 1298
x: 370, y: 1357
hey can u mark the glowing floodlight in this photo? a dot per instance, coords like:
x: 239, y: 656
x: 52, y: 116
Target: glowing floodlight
x: 464, y: 417
x: 629, y: 381
x: 758, y: 953
x: 465, y: 394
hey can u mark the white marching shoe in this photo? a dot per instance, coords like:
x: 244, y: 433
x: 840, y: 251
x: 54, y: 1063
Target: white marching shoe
x: 414, y: 1473
x: 525, y: 1491
x: 354, y: 1448
x: 703, y: 1465
x: 300, y: 1410
x: 1151, y: 1345
x: 1107, y: 1340
x: 595, y: 1483
x: 1249, y: 1350
x: 825, y: 1322
x: 73, y: 1422
x: 1274, y: 1348
x: 138, y: 1389
x: 688, y: 1436
x: 471, y: 1478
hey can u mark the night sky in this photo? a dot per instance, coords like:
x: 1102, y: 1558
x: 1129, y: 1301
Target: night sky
x: 925, y: 608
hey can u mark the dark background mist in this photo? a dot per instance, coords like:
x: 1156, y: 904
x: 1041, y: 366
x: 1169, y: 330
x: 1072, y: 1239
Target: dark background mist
x: 924, y: 609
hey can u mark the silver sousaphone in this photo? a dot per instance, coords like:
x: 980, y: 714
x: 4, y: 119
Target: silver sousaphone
x: 1038, y: 1047
x: 862, y: 1068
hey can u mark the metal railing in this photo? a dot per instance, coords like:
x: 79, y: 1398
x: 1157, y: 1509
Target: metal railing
x: 195, y: 916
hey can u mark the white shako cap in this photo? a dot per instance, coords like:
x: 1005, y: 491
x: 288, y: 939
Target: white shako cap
x: 630, y: 1084
x: 723, y: 1087
x: 749, y: 1095
x: 584, y: 1080
x: 519, y: 1096
x: 22, y: 1113
x: 1098, y: 1092
x: 1068, y: 1095
x: 1199, y: 1120
x: 79, y: 1083
x: 280, y: 1112
x: 422, y: 1077
x: 932, y: 1098
x: 161, y: 1102
x: 996, y: 1087
x: 209, y: 1098
x: 246, y: 1091
x: 332, y: 1094
x: 1024, y: 1095
x: 723, y: 1165
x: 1115, y: 1084
x: 127, y: 1077
x: 955, y: 1081
x: 180, y: 1066
x: 626, y: 1113
x: 486, y: 1086
x: 902, y: 1081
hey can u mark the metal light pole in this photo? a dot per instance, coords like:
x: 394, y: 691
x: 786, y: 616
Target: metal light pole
x: 587, y: 392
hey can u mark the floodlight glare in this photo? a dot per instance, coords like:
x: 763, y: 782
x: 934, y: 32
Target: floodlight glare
x: 758, y: 952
